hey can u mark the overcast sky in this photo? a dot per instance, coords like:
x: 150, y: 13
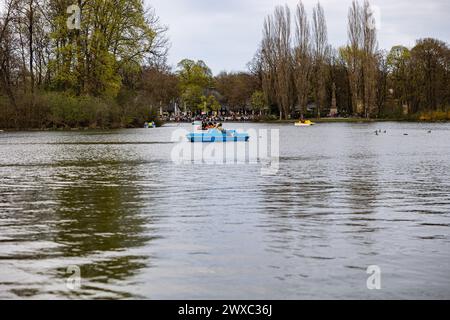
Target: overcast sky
x: 226, y: 33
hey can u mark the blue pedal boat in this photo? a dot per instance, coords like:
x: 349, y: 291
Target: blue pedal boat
x: 215, y: 135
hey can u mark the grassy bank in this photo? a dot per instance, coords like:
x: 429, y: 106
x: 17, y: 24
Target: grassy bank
x: 435, y: 116
x: 353, y: 120
x: 432, y: 116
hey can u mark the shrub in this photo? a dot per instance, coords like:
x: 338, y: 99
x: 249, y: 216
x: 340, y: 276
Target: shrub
x: 434, y: 116
x: 61, y: 110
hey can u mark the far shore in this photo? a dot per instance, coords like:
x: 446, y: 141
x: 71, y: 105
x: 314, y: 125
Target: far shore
x: 321, y: 120
x: 356, y: 120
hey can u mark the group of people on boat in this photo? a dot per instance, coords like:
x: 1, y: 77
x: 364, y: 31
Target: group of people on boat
x: 148, y: 125
x: 212, y: 125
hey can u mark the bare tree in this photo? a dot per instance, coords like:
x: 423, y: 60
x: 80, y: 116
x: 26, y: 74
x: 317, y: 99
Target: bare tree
x: 268, y: 67
x: 361, y: 58
x: 352, y: 56
x: 320, y: 53
x: 277, y: 59
x: 369, y: 59
x: 302, y: 57
x: 282, y: 26
x: 6, y: 50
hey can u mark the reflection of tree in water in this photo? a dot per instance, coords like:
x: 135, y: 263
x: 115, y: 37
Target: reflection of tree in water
x: 102, y: 221
x: 362, y: 184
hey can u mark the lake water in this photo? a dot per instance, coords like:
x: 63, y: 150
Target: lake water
x: 139, y: 226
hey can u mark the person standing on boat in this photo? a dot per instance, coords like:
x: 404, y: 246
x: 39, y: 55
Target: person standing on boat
x: 220, y: 127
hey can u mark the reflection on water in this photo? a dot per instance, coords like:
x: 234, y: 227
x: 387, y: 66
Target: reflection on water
x: 101, y: 213
x: 140, y: 226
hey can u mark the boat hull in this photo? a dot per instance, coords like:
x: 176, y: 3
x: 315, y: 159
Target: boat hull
x: 218, y: 136
x: 306, y: 123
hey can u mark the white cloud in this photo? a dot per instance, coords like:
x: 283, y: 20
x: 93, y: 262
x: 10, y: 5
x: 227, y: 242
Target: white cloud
x: 226, y: 33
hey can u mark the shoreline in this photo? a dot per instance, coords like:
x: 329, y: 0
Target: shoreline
x: 357, y: 120
x: 320, y: 121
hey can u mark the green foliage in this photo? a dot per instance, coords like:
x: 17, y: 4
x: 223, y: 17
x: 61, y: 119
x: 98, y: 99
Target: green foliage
x: 115, y: 37
x: 192, y: 97
x: 258, y: 101
x: 434, y: 116
x: 63, y: 110
x: 209, y: 104
x: 194, y: 73
x: 104, y: 79
x: 398, y: 57
x: 112, y: 73
x: 69, y: 111
x: 195, y: 78
x: 398, y: 63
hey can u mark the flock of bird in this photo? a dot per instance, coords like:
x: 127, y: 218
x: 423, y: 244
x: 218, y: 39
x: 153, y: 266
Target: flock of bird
x: 378, y: 132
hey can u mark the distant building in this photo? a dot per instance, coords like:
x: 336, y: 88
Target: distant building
x: 333, y: 112
x: 334, y: 109
x: 405, y: 109
x: 311, y: 107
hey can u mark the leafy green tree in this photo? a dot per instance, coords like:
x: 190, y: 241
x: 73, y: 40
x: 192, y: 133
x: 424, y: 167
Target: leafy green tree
x: 192, y: 97
x: 195, y: 78
x: 113, y: 36
x: 209, y: 104
x: 258, y: 102
x: 399, y: 64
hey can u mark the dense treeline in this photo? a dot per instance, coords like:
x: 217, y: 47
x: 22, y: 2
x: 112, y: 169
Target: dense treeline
x: 299, y: 69
x: 111, y: 70
x: 83, y: 65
